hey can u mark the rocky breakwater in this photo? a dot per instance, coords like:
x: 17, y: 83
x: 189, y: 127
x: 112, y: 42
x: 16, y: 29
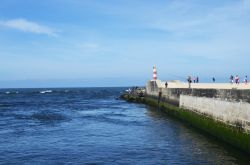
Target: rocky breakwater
x: 135, y: 94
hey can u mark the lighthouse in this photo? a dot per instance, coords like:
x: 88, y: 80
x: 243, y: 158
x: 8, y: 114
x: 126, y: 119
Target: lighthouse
x: 154, y: 73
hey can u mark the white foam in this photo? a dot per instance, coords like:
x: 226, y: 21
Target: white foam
x: 46, y: 91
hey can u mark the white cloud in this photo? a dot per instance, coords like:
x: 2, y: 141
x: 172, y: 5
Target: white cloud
x: 190, y: 18
x: 28, y: 26
x: 216, y: 32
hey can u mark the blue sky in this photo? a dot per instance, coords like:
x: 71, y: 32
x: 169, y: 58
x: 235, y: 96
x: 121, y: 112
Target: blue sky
x: 116, y: 43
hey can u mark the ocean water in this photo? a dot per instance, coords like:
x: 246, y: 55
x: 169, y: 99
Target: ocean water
x: 92, y: 126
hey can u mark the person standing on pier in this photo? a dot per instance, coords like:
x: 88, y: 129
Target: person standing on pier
x: 231, y: 79
x: 189, y: 79
x: 245, y: 80
x: 213, y: 79
x: 194, y: 79
x: 166, y: 84
x: 197, y: 79
x: 237, y: 79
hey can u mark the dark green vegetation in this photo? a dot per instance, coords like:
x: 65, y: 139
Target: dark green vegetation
x: 232, y: 135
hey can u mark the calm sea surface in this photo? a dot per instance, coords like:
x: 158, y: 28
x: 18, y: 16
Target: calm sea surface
x: 91, y: 126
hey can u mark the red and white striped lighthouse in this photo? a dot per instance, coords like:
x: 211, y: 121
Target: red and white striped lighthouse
x: 154, y: 73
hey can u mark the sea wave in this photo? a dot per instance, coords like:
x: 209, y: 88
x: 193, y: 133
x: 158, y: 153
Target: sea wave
x: 46, y: 91
x: 11, y: 92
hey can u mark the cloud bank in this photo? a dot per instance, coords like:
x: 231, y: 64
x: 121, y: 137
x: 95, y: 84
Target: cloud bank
x: 28, y: 26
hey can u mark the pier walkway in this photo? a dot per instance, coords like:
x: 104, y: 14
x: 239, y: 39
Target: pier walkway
x: 179, y: 84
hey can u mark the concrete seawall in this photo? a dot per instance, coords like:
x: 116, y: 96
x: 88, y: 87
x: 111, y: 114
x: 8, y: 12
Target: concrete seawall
x: 231, y: 106
x: 223, y: 113
x: 233, y: 113
x: 173, y: 92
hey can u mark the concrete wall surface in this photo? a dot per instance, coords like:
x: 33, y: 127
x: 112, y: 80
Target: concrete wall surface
x: 235, y: 113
